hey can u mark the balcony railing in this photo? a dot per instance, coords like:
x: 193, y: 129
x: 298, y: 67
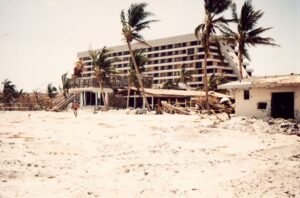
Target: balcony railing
x: 115, y: 81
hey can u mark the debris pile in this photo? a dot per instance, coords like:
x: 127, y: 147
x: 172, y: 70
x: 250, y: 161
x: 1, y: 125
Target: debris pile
x: 290, y: 126
x: 168, y: 108
x: 267, y: 125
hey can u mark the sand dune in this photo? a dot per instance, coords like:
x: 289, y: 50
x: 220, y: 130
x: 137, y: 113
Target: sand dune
x: 112, y: 154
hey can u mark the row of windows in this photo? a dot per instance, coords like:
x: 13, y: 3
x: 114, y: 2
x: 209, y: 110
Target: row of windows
x: 179, y: 59
x: 164, y: 47
x: 189, y: 51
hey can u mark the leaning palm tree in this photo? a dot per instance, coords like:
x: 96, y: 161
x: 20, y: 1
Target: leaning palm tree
x: 140, y: 60
x: 212, y: 22
x: 247, y: 33
x: 185, y: 76
x: 132, y: 24
x: 103, y: 67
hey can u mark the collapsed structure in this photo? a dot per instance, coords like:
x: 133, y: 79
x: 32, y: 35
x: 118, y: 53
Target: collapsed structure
x: 165, y: 57
x: 267, y: 96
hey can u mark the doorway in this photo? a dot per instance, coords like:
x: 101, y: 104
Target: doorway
x: 282, y: 105
x: 90, y: 98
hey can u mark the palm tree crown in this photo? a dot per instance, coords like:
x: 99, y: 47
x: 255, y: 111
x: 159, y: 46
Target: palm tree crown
x: 141, y: 60
x: 212, y: 21
x: 247, y: 34
x: 102, y: 63
x: 185, y: 76
x: 135, y: 21
x: 9, y: 91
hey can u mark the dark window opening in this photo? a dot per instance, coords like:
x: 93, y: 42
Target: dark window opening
x: 246, y: 94
x: 262, y: 105
x: 191, y: 51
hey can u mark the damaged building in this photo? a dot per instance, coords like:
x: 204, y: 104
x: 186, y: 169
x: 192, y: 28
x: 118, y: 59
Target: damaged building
x: 267, y: 96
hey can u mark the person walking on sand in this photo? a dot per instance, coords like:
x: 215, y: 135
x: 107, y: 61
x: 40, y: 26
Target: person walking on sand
x: 75, y: 106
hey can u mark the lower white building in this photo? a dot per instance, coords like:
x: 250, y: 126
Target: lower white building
x: 268, y: 96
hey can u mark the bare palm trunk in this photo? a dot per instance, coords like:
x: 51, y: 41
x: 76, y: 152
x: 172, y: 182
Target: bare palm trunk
x: 138, y: 76
x: 102, y: 94
x: 205, y: 80
x: 128, y: 93
x: 241, y: 64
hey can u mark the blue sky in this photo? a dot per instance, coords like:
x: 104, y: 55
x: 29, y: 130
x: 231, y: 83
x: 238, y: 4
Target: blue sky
x: 39, y: 39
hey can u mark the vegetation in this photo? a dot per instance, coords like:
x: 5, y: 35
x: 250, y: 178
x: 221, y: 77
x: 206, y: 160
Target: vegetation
x: 247, y: 34
x: 185, y: 76
x: 213, y: 21
x: 140, y: 60
x: 65, y: 84
x: 51, y: 90
x: 78, y: 69
x: 216, y: 80
x: 170, y: 85
x: 103, y: 68
x: 9, y: 91
x: 133, y: 22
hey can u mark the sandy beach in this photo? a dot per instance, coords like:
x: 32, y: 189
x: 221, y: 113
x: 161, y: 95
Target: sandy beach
x: 111, y: 154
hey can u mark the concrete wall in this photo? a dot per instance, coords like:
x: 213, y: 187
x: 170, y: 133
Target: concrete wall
x: 249, y: 107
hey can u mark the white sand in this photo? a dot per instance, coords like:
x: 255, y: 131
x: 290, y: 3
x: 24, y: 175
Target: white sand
x: 117, y: 155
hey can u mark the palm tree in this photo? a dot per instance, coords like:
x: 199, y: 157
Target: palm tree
x: 51, y: 90
x: 185, y: 76
x: 65, y: 84
x: 216, y: 80
x: 132, y: 24
x: 140, y: 60
x: 169, y: 85
x: 9, y: 91
x: 212, y: 22
x: 102, y: 65
x: 247, y: 33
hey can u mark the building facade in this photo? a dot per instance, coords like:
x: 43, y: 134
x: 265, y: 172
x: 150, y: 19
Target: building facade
x: 166, y: 57
x: 268, y: 96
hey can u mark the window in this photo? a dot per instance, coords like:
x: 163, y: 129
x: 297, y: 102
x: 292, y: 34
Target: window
x: 262, y: 105
x: 193, y: 43
x: 246, y: 95
x: 190, y: 51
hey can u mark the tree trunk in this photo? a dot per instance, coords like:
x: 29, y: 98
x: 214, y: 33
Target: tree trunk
x: 205, y: 79
x: 138, y: 76
x: 103, y: 96
x: 128, y: 93
x: 241, y: 64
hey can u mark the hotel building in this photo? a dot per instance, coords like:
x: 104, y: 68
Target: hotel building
x: 166, y: 57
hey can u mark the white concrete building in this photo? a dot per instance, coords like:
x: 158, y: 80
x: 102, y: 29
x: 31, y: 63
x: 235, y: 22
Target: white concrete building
x: 166, y: 57
x: 268, y: 96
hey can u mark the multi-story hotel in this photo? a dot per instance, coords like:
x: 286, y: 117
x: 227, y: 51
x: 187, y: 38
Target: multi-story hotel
x: 166, y: 57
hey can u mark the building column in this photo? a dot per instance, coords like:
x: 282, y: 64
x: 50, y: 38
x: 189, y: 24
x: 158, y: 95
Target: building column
x: 106, y: 98
x: 84, y: 99
x: 152, y: 101
x: 96, y: 98
x: 134, y: 100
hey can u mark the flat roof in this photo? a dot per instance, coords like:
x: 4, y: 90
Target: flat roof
x: 183, y: 93
x: 264, y: 82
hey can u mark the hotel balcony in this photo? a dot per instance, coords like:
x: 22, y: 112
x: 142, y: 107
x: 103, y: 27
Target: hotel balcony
x: 114, y: 82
